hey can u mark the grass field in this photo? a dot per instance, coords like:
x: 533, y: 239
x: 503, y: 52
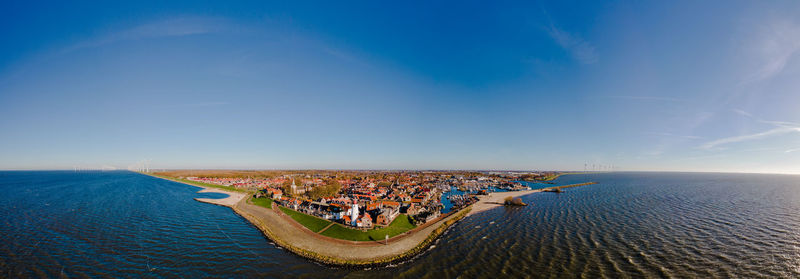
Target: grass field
x: 228, y: 188
x: 400, y: 225
x: 312, y: 223
x: 263, y: 202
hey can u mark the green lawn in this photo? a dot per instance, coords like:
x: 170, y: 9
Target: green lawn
x: 312, y: 223
x: 400, y: 225
x: 263, y: 202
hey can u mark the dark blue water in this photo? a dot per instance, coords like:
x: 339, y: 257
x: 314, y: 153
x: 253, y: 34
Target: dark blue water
x: 122, y: 224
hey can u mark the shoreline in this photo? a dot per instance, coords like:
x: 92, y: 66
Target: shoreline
x: 316, y: 247
x: 230, y: 201
x: 286, y: 233
x: 495, y: 199
x: 344, y: 253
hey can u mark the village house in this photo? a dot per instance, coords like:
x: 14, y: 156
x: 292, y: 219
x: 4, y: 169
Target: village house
x: 364, y: 221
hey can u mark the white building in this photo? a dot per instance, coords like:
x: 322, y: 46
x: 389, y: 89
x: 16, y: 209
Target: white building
x: 354, y: 214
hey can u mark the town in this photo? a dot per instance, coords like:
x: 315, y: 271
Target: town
x: 369, y: 199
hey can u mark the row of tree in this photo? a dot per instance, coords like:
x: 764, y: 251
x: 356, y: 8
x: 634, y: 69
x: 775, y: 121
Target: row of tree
x: 329, y: 188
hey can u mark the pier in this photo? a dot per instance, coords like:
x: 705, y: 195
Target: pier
x: 557, y: 189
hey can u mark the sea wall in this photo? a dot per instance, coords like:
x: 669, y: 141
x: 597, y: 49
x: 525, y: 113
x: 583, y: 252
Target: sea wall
x: 419, y: 248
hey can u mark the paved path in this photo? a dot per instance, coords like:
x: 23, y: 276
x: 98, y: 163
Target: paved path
x: 326, y: 227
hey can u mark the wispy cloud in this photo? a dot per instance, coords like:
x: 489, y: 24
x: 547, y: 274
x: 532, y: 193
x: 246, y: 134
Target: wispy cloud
x: 656, y: 151
x: 703, y: 157
x: 749, y: 137
x: 580, y: 49
x: 674, y: 135
x: 337, y: 53
x: 644, y: 98
x: 782, y: 41
x: 785, y: 124
x: 792, y: 150
x: 742, y: 112
x: 666, y: 141
x: 203, y: 104
x: 780, y: 128
x: 182, y: 26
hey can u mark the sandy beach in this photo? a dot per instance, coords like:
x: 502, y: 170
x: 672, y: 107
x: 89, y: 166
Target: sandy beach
x: 230, y: 201
x: 233, y: 197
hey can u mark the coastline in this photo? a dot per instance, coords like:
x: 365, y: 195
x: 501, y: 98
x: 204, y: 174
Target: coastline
x: 230, y: 201
x: 342, y: 252
x: 336, y: 252
x: 286, y: 233
x: 496, y: 199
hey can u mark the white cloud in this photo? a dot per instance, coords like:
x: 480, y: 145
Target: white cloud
x: 785, y: 124
x: 183, y: 26
x: 781, y: 42
x: 765, y: 134
x: 780, y: 128
x: 579, y: 48
x: 792, y: 150
x: 645, y: 98
x: 743, y: 113
x: 205, y: 104
x: 689, y: 137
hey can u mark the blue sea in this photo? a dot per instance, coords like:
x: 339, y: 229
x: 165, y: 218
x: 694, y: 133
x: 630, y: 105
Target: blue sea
x: 642, y: 225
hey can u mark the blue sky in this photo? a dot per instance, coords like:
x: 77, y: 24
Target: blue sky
x: 661, y: 85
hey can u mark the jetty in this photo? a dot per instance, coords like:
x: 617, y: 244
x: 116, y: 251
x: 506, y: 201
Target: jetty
x: 497, y: 199
x: 558, y: 188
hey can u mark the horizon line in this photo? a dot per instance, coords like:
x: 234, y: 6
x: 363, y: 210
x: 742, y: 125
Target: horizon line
x: 419, y: 170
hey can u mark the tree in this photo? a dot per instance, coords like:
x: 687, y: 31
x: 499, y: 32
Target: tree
x: 331, y: 188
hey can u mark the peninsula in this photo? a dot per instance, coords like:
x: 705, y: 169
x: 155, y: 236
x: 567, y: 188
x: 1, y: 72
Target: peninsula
x: 355, y: 218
